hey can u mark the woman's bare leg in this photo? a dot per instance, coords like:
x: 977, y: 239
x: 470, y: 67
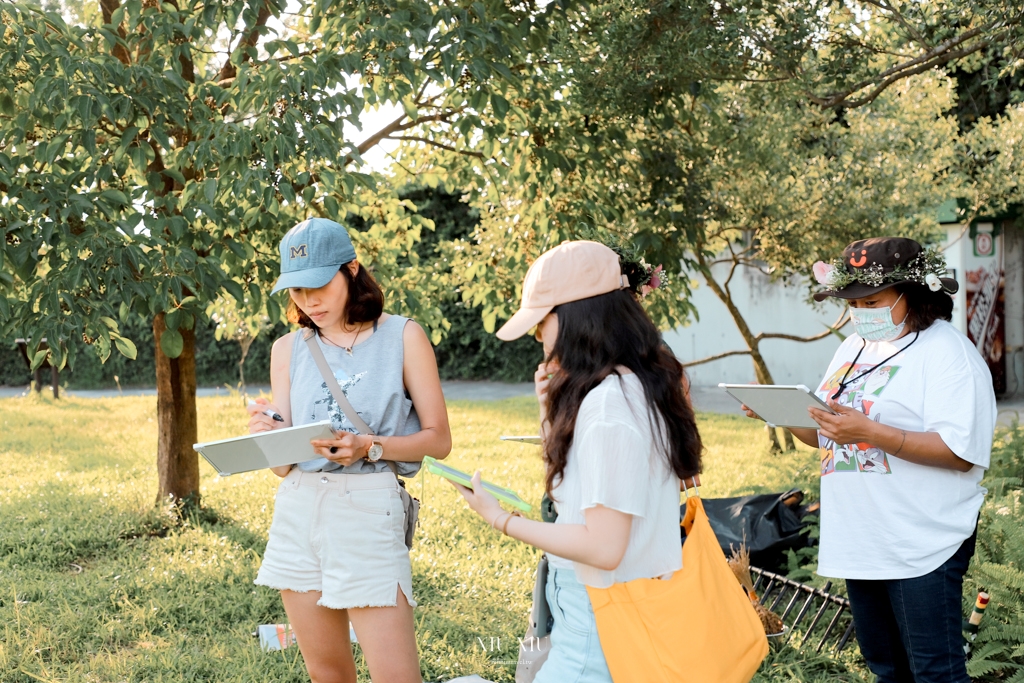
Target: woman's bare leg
x: 387, y: 637
x: 322, y: 634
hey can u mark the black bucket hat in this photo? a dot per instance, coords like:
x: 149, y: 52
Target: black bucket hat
x: 871, y: 265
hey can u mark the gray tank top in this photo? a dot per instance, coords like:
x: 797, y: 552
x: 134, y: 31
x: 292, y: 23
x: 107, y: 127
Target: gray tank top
x: 372, y: 381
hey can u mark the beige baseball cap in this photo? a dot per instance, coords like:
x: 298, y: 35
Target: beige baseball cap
x: 569, y: 272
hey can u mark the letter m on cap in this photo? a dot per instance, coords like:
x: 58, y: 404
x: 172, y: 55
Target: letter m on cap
x: 298, y: 252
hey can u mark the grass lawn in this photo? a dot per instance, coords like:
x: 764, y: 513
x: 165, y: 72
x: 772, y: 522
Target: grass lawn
x: 96, y: 584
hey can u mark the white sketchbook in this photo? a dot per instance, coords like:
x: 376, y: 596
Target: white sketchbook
x: 779, y: 405
x: 278, y: 447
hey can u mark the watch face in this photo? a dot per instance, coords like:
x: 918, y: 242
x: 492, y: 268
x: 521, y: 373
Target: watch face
x: 376, y: 450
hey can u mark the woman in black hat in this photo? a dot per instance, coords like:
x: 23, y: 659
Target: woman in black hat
x: 902, y: 457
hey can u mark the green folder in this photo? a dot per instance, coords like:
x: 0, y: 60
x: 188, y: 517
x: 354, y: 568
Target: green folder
x: 459, y: 477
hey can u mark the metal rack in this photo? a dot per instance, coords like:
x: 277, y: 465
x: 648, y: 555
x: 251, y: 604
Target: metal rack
x: 818, y: 601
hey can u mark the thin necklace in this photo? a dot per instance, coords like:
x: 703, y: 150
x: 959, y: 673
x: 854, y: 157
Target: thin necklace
x: 843, y: 383
x: 348, y: 349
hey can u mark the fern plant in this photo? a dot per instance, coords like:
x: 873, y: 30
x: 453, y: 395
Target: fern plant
x: 998, y: 566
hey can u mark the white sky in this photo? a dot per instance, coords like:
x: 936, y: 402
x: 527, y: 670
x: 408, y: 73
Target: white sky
x: 372, y: 121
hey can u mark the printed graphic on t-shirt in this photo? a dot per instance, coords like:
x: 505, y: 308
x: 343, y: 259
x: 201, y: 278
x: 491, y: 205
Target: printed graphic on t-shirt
x: 861, y: 394
x: 339, y: 420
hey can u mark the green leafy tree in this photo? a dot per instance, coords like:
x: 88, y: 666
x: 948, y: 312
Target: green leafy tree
x: 745, y: 134
x: 468, y: 351
x: 233, y: 323
x: 153, y: 154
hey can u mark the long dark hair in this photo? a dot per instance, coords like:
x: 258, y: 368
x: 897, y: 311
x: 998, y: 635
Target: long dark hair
x: 365, y: 300
x: 594, y: 336
x: 924, y: 306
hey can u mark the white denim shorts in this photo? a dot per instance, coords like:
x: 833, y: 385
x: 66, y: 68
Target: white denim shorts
x: 342, y: 535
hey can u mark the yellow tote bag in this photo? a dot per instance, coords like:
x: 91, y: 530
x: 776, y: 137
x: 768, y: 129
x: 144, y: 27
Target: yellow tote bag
x: 697, y: 627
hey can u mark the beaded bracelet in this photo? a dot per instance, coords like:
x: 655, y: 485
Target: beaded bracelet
x: 494, y: 524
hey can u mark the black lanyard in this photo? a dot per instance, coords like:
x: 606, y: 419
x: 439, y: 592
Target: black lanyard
x: 843, y: 383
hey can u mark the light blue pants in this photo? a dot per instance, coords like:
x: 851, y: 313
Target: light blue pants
x: 575, y: 655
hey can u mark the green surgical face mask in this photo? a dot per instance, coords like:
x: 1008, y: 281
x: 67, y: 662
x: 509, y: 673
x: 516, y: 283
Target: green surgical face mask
x: 875, y: 324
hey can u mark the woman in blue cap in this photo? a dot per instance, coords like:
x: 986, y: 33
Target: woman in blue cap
x: 336, y: 548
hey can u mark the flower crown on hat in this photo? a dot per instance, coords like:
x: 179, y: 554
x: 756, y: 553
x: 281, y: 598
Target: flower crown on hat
x: 643, y: 278
x: 926, y: 269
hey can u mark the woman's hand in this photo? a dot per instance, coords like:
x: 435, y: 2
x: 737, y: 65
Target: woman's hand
x: 347, y: 447
x: 481, y: 502
x: 689, y: 482
x: 750, y: 413
x: 848, y: 427
x: 541, y: 380
x: 258, y: 422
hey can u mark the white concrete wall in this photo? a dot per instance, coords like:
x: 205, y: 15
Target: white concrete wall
x: 767, y: 307
x: 774, y: 307
x: 955, y: 250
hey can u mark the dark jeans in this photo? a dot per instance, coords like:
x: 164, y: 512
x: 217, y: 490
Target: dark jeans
x: 909, y: 630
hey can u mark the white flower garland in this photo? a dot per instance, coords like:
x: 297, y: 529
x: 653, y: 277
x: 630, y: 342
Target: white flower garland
x: 926, y: 269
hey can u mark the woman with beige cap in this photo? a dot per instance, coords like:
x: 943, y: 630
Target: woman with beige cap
x: 619, y: 435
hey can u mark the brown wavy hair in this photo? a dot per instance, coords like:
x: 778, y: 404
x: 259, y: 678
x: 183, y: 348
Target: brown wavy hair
x: 594, y: 336
x: 365, y: 300
x: 925, y: 306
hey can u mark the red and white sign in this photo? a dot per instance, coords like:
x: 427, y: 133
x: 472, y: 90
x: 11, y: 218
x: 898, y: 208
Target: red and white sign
x: 984, y: 280
x: 983, y: 244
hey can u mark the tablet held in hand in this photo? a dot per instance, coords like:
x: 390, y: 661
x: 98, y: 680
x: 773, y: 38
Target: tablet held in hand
x: 779, y: 405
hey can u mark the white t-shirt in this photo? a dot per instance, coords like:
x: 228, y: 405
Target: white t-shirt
x: 883, y: 517
x: 614, y: 462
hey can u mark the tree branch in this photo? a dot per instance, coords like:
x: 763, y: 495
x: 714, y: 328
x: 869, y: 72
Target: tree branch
x: 921, y: 68
x: 225, y: 82
x: 441, y: 145
x: 397, y: 126
x: 837, y: 325
x: 717, y: 356
x: 443, y: 116
x: 228, y: 71
x: 732, y: 270
x: 793, y: 337
x: 119, y: 51
x: 937, y: 56
x: 881, y: 4
x: 188, y: 68
x: 381, y: 134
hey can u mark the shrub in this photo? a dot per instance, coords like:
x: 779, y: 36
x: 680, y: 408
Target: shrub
x: 998, y: 653
x: 216, y: 362
x: 468, y: 351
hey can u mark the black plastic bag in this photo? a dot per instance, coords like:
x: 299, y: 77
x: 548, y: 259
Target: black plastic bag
x: 769, y: 524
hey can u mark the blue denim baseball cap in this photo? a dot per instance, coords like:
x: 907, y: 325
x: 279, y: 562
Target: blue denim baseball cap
x: 312, y: 252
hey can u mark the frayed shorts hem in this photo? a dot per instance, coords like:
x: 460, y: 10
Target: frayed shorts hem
x: 282, y: 586
x: 334, y: 604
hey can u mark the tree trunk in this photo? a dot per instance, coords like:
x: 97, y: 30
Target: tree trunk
x: 765, y: 377
x: 753, y: 346
x: 177, y: 463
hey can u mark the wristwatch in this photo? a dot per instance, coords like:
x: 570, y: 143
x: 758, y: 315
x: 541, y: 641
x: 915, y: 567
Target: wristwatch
x: 375, y: 451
